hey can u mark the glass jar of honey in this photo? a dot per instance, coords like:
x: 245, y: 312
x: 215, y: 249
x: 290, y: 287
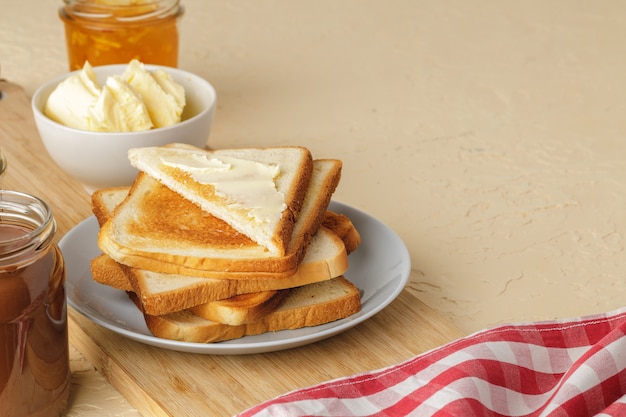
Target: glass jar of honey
x: 34, y: 352
x: 118, y: 31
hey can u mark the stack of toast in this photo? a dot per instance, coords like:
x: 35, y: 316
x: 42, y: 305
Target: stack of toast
x: 217, y: 245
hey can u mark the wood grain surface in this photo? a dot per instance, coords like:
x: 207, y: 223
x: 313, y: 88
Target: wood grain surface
x: 160, y: 382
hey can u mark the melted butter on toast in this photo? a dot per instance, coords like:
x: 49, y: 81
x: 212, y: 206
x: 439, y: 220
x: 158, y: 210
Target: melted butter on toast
x: 245, y: 184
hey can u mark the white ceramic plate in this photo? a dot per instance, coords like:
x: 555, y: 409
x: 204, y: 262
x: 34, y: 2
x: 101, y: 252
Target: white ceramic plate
x: 380, y: 268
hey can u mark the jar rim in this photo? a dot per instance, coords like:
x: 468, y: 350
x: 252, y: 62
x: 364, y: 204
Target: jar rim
x: 149, y: 9
x: 31, y: 213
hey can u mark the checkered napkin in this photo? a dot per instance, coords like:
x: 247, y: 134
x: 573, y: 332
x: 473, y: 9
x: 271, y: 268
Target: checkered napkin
x: 574, y: 367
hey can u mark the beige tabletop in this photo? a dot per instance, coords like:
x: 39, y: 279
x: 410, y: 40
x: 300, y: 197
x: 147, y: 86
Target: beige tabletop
x: 488, y: 134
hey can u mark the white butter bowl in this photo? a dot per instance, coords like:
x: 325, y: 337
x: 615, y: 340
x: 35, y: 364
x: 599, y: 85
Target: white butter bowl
x: 99, y: 159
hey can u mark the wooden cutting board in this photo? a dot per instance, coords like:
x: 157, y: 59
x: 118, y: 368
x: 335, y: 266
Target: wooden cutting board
x: 161, y: 382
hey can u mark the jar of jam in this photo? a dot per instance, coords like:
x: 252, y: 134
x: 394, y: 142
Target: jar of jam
x: 34, y: 352
x: 118, y: 31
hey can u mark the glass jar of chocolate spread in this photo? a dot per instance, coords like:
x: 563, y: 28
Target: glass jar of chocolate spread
x: 118, y: 31
x: 34, y: 352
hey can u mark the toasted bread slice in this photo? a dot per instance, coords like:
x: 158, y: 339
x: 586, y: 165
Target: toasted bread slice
x: 183, y: 292
x: 105, y: 270
x: 162, y: 293
x: 256, y: 191
x: 241, y: 309
x: 105, y: 201
x: 343, y: 227
x: 305, y: 306
x: 157, y: 229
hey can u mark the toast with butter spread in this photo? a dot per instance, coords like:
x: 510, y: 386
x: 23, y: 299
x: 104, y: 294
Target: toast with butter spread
x: 157, y: 229
x: 325, y: 258
x: 256, y: 191
x: 198, y: 275
x: 104, y: 202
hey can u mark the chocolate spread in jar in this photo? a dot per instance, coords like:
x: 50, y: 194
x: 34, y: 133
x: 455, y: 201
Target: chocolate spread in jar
x: 34, y: 353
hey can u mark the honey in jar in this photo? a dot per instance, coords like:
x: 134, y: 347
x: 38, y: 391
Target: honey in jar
x: 118, y: 31
x: 34, y: 352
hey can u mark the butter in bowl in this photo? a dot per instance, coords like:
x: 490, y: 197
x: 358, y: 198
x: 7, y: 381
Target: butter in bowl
x: 90, y: 118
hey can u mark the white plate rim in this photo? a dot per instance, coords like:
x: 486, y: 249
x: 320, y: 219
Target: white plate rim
x: 382, y: 253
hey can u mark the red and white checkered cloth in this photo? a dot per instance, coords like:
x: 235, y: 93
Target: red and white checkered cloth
x: 574, y: 367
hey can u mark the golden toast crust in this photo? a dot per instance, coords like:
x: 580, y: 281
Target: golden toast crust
x: 293, y: 313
